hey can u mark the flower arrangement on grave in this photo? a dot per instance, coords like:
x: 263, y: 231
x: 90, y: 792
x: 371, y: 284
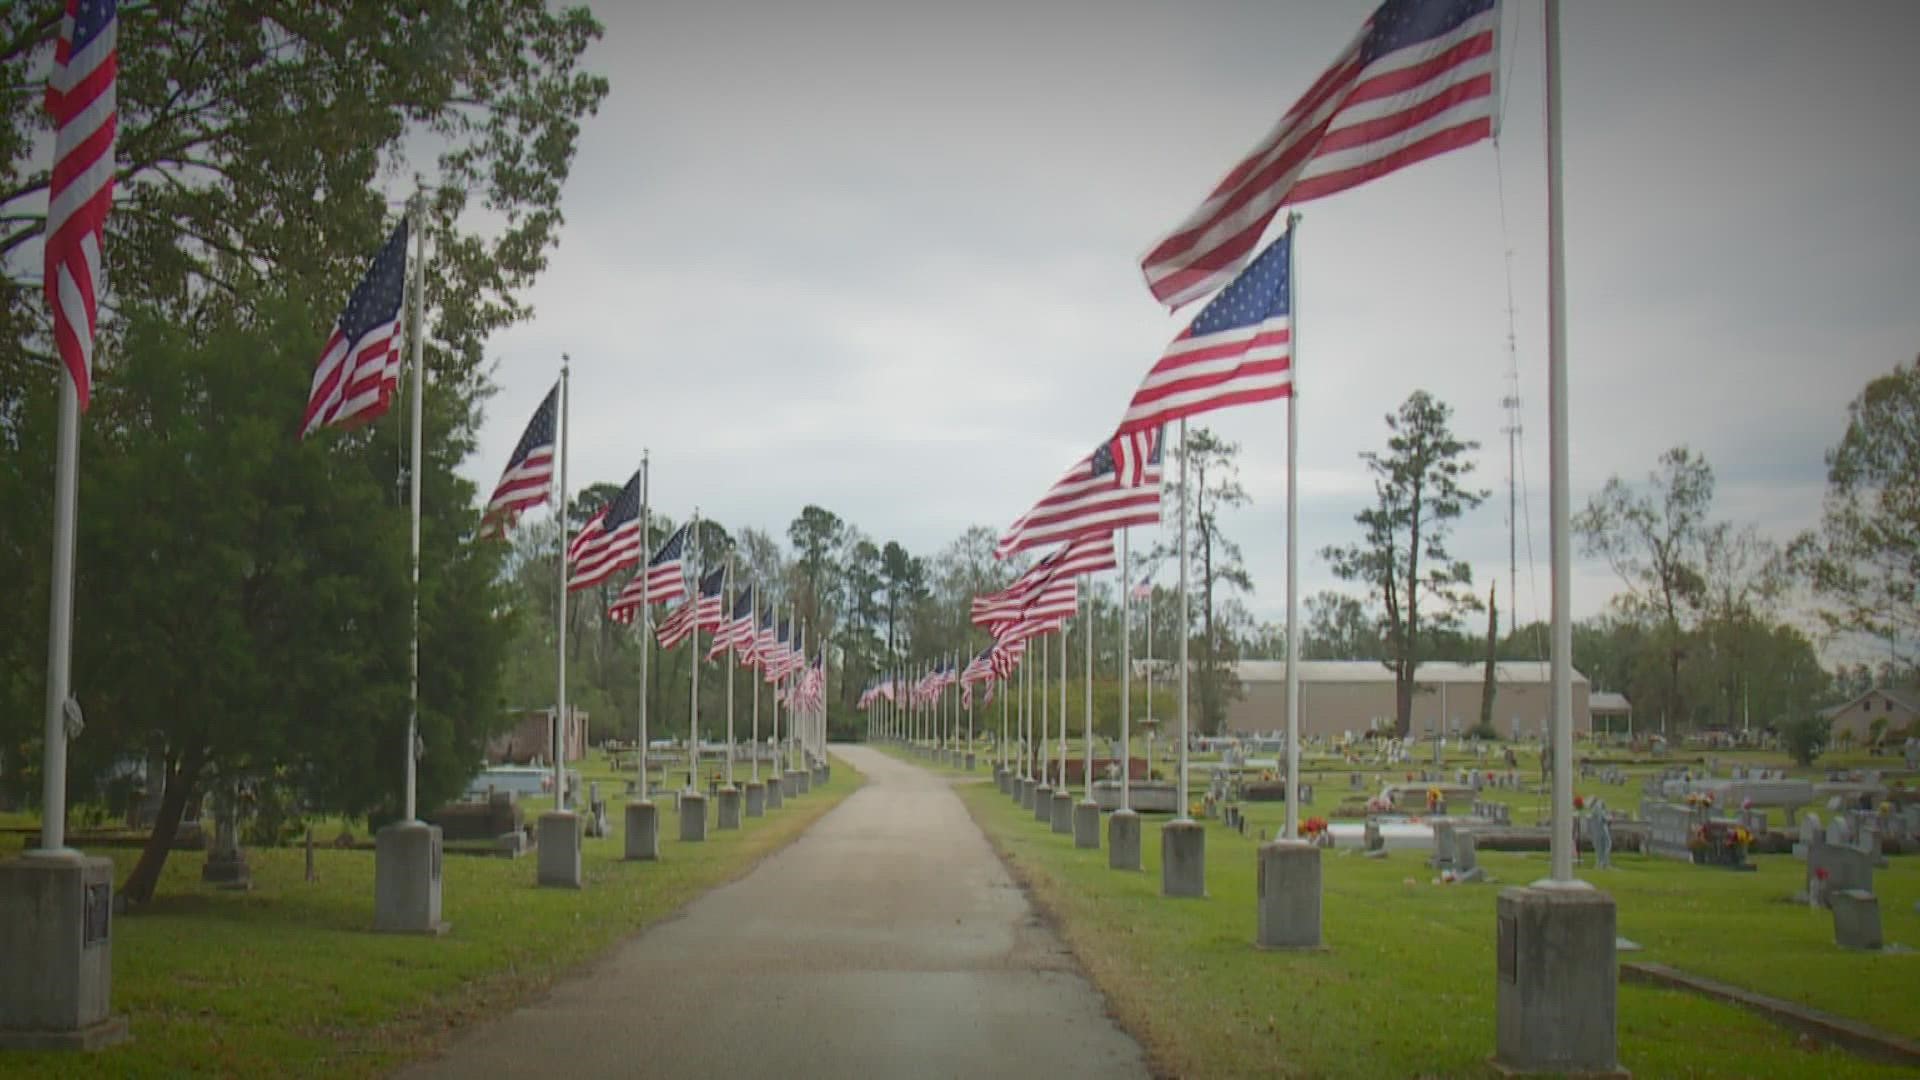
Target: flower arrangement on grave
x: 1433, y: 797
x: 1579, y: 803
x: 1313, y: 827
x: 1721, y: 843
x: 1379, y: 804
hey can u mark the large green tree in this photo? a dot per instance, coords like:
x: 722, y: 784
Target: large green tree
x: 1213, y: 465
x: 1864, y: 560
x: 1420, y: 490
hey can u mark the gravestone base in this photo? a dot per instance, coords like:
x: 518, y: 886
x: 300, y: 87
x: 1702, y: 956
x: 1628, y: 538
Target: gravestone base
x: 1000, y: 779
x: 643, y: 830
x: 1856, y: 920
x: 775, y: 797
x: 693, y: 817
x: 821, y: 774
x: 1024, y: 788
x: 1123, y: 840
x: 56, y: 953
x: 804, y: 778
x: 729, y: 808
x: 756, y: 799
x: 1557, y: 981
x: 1060, y: 812
x: 1183, y: 858
x: 406, y: 879
x: 1086, y: 825
x: 227, y: 870
x: 559, y: 849
x: 789, y: 784
x: 1042, y: 803
x: 1289, y: 895
x: 970, y: 761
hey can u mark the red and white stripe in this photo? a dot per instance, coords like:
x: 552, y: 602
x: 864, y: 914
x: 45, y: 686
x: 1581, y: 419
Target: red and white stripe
x: 1082, y: 504
x: 82, y: 98
x: 1356, y: 122
x: 597, y: 554
x: 677, y: 626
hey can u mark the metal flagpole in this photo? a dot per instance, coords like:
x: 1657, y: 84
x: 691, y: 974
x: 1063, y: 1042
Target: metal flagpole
x: 1086, y: 631
x: 1293, y: 537
x: 1004, y: 759
x: 754, y: 621
x: 66, y: 484
x: 560, y: 634
x: 646, y: 625
x: 1063, y: 710
x: 1561, y: 677
x: 1149, y: 701
x: 773, y: 700
x: 1046, y: 726
x: 693, y: 703
x: 732, y: 666
x: 1126, y: 677
x: 794, y: 715
x: 1181, y: 786
x: 416, y: 342
x: 1026, y: 717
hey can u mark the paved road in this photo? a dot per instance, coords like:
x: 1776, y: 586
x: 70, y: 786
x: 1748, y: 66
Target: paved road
x: 886, y: 941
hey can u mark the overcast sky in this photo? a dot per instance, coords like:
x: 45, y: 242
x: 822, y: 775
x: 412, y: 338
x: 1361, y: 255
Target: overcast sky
x: 883, y: 257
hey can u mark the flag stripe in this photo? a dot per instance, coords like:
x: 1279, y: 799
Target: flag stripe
x: 83, y: 100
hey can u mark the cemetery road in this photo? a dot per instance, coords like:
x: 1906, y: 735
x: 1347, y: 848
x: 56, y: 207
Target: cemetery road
x: 887, y: 941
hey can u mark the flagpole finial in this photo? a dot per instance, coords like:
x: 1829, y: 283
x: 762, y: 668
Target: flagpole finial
x: 566, y: 364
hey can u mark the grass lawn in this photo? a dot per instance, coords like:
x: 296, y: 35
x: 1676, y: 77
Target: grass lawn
x: 1405, y: 986
x: 288, y: 979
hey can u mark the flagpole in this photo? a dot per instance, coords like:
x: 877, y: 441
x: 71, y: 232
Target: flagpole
x: 754, y: 621
x: 1561, y: 670
x: 1126, y: 675
x: 732, y: 667
x: 560, y: 634
x: 66, y: 483
x: 1293, y: 536
x: 1180, y: 787
x: 1086, y: 632
x: 646, y: 621
x: 415, y: 341
x: 1063, y: 710
x: 693, y: 656
x: 1046, y: 725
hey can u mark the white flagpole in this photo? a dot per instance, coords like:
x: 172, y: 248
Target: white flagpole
x: 732, y: 666
x: 693, y: 704
x: 66, y: 483
x: 417, y: 344
x: 1086, y: 730
x: 1063, y: 710
x: 560, y: 634
x: 1046, y: 725
x: 646, y: 623
x: 773, y: 708
x: 1149, y: 701
x: 1293, y: 537
x: 755, y: 640
x: 1180, y: 786
x: 1126, y: 676
x: 1561, y: 672
x: 799, y: 715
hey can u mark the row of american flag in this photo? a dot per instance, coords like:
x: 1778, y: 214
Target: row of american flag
x: 1417, y: 81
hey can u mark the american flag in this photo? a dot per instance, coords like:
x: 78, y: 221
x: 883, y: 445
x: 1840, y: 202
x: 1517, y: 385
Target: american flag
x: 1006, y: 656
x: 1087, y: 555
x: 1416, y: 82
x: 82, y: 98
x: 736, y: 634
x: 711, y: 613
x: 528, y: 479
x: 609, y: 542
x: 1112, y: 488
x: 979, y: 669
x: 359, y: 366
x: 677, y: 626
x: 663, y: 579
x: 1239, y: 350
x: 779, y: 658
x: 1144, y: 590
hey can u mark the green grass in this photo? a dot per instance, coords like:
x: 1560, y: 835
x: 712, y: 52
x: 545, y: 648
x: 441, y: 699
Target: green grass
x: 1406, y: 987
x: 289, y: 978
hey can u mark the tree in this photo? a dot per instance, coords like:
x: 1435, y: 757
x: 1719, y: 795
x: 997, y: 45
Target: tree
x: 220, y: 203
x: 1220, y: 563
x: 1339, y: 627
x: 1420, y: 493
x: 904, y: 579
x: 1804, y: 736
x: 816, y: 536
x: 1656, y: 542
x: 1864, y: 560
x: 1486, y: 729
x: 242, y: 597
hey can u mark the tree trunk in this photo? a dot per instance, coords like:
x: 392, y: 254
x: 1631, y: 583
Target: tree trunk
x: 1493, y: 645
x: 1403, y: 697
x: 182, y: 784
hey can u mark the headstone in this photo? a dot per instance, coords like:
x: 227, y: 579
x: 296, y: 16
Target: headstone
x: 226, y: 864
x: 1669, y: 831
x: 1372, y: 840
x: 1288, y: 896
x: 1086, y: 824
x: 1833, y: 868
x: 1466, y: 858
x: 1856, y: 919
x: 1443, y: 845
x: 1123, y: 840
x: 1183, y: 859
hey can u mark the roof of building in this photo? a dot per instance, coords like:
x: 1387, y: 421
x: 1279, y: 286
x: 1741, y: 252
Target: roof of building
x: 1506, y: 672
x: 1608, y: 703
x: 1906, y: 699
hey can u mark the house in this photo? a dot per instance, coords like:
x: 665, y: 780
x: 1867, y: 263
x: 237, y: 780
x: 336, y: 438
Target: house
x: 1338, y: 696
x: 1900, y: 709
x: 531, y: 738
